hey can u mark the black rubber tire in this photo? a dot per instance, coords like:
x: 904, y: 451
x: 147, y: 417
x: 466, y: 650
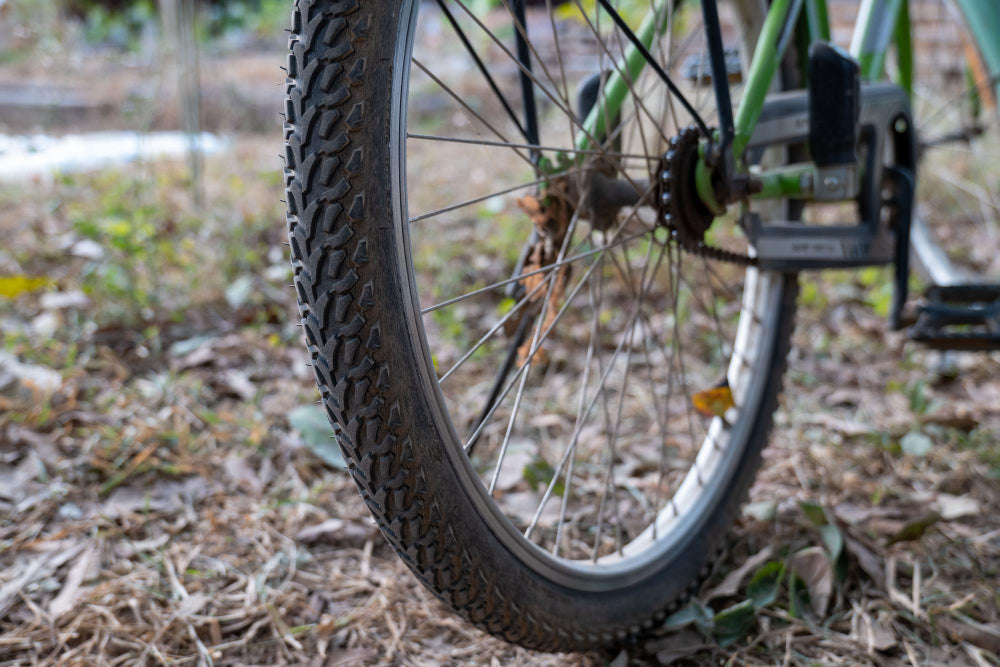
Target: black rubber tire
x: 352, y: 293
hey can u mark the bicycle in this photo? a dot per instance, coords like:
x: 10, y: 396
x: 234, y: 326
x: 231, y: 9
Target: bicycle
x: 553, y: 395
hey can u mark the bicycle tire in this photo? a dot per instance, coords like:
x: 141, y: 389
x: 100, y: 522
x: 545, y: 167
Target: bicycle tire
x: 344, y: 220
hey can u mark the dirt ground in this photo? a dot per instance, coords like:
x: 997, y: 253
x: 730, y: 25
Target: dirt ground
x: 167, y: 495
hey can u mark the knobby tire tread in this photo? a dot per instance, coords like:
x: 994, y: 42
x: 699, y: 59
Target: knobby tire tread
x: 348, y: 331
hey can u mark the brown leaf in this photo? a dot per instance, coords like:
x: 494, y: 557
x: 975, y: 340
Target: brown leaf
x: 682, y: 644
x: 869, y: 562
x: 955, y: 507
x: 70, y: 592
x: 730, y: 586
x: 982, y: 635
x: 163, y: 496
x: 336, y: 531
x: 813, y: 566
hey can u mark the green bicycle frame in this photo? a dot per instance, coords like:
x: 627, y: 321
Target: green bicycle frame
x: 881, y: 24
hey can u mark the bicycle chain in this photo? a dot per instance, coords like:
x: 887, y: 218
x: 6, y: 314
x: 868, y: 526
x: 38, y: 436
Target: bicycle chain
x: 682, y: 212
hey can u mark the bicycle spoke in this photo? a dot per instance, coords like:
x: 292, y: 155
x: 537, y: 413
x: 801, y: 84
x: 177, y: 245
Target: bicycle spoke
x: 637, y: 99
x: 498, y: 193
x: 598, y: 400
x: 568, y: 484
x: 534, y: 272
x: 482, y: 68
x: 496, y: 327
x: 576, y: 151
x: 465, y: 106
x: 556, y: 102
x: 530, y: 359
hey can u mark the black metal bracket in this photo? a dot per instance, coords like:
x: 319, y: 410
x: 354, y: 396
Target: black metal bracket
x: 719, y: 156
x: 794, y: 246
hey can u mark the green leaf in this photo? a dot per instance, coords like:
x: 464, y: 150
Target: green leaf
x: 733, y: 623
x: 916, y: 528
x: 697, y: 614
x: 539, y: 473
x: 833, y: 540
x: 238, y: 292
x: 815, y: 513
x: 916, y: 443
x: 312, y: 424
x: 798, y: 596
x: 764, y: 510
x: 765, y: 583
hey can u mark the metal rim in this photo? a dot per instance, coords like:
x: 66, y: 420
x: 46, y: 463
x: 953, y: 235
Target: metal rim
x: 752, y: 349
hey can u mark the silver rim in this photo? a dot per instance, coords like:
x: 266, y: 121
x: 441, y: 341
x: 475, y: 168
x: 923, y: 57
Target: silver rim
x: 718, y: 447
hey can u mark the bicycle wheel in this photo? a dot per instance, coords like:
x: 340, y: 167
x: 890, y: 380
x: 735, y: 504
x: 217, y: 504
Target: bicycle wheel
x: 527, y: 377
x: 957, y: 219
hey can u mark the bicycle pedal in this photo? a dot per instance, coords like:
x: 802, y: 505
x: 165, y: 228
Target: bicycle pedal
x: 698, y: 70
x: 960, y: 317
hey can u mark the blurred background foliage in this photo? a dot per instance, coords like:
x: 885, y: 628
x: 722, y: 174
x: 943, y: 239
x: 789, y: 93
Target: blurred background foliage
x: 122, y: 23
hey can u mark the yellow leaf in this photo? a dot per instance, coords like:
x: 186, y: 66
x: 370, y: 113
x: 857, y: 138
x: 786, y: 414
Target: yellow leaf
x: 571, y: 11
x: 12, y: 287
x: 714, y: 402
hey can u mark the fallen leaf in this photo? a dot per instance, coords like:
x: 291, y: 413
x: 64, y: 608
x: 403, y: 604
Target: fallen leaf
x: 236, y: 383
x: 869, y: 562
x: 730, y: 586
x: 813, y: 567
x: 733, y: 623
x: 915, y: 529
x: 70, y: 592
x: 815, y: 513
x: 185, y: 347
x: 163, y: 496
x: 714, y: 402
x: 12, y: 287
x: 833, y: 539
x: 32, y: 380
x: 876, y: 633
x: 313, y: 425
x: 955, y: 507
x: 701, y: 616
x: 916, y: 443
x: 982, y: 635
x: 240, y: 472
x: 336, y: 531
x: 677, y: 646
x: 520, y: 454
x: 63, y: 300
x: 850, y: 429
x: 126, y: 549
x: 765, y: 584
x: 764, y: 510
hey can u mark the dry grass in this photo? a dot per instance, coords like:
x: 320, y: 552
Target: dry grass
x: 157, y: 507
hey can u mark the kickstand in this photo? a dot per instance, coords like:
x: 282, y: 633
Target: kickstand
x: 902, y: 202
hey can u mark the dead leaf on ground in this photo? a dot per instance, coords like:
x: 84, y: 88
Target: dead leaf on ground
x: 869, y: 562
x: 955, y: 507
x: 163, y: 496
x: 813, y: 567
x: 730, y: 586
x: 336, y: 531
x: 980, y: 634
x: 873, y: 631
x: 915, y: 529
x: 71, y: 589
x: 678, y: 646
